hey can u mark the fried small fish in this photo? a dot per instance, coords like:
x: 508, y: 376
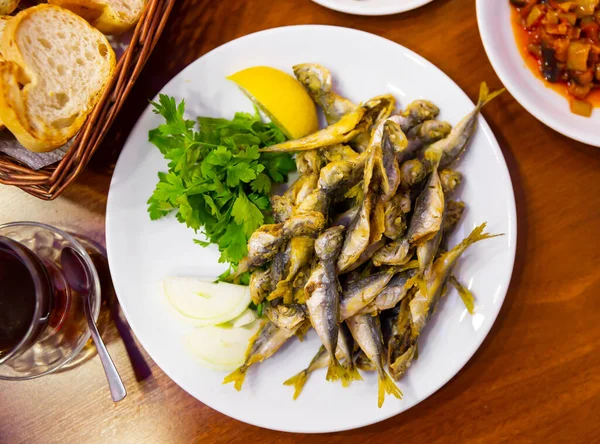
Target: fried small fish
x: 426, y: 220
x: 309, y: 165
x: 323, y: 296
x: 429, y: 131
x: 453, y: 146
x: 394, y: 292
x: 413, y: 172
x: 282, y: 208
x: 288, y: 317
x: 359, y: 293
x: 393, y: 142
x: 387, y: 177
x: 397, y: 252
x: 301, y: 252
x: 317, y: 81
x: 426, y: 298
x: 341, y: 174
x: 279, y: 264
x: 267, y: 340
x: 402, y: 347
x: 357, y: 237
x: 366, y: 331
x: 427, y: 250
x: 394, y: 218
x: 342, y: 131
x: 359, y: 233
x: 309, y: 223
x: 415, y: 113
x: 357, y: 121
x: 450, y: 180
x: 260, y: 285
x: 263, y: 245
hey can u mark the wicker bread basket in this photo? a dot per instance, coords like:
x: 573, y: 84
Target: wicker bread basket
x: 49, y: 182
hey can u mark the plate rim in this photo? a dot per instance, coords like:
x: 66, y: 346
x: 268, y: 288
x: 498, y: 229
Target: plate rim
x: 511, y: 218
x: 501, y: 70
x: 371, y: 11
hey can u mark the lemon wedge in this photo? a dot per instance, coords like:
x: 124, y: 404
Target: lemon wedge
x: 281, y: 97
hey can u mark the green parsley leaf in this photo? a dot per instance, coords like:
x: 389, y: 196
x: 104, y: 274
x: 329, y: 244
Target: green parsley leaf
x: 246, y: 214
x: 217, y: 181
x: 262, y: 184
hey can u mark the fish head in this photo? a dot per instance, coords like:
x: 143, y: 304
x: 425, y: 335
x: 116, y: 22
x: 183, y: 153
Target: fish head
x: 393, y: 138
x: 308, y: 223
x: 285, y: 316
x: 431, y: 131
x: 308, y: 162
x: 450, y: 180
x: 315, y: 78
x: 328, y: 244
x: 421, y: 110
x: 412, y: 172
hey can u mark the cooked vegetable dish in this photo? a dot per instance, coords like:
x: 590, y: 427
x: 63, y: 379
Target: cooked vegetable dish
x: 564, y: 38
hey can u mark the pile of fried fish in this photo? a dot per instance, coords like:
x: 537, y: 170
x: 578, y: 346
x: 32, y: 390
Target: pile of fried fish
x: 358, y: 248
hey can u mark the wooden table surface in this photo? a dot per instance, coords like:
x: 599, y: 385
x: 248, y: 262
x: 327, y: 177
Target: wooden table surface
x: 536, y: 378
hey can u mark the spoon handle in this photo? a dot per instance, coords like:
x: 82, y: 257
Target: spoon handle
x: 115, y: 383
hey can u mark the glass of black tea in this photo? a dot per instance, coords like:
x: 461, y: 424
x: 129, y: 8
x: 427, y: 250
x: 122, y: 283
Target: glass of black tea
x: 42, y: 322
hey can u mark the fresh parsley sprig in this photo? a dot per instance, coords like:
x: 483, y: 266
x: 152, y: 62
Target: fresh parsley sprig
x: 217, y: 180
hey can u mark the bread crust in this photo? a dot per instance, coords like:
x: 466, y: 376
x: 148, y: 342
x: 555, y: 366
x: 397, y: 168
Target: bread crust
x: 100, y: 15
x: 8, y: 6
x: 16, y: 81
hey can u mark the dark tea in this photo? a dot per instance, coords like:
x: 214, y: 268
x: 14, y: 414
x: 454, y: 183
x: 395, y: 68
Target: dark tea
x: 17, y: 300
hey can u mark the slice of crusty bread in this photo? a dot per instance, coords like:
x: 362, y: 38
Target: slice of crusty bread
x: 55, y: 69
x: 109, y: 16
x: 8, y: 6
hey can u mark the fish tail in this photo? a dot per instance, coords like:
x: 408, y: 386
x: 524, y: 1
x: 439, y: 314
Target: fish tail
x: 352, y: 374
x: 237, y: 377
x: 465, y: 294
x: 297, y: 381
x: 386, y: 385
x: 335, y: 371
x: 485, y: 96
x: 282, y: 290
x: 477, y: 235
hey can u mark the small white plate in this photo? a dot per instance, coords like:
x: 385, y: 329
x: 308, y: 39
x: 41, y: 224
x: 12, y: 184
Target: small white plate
x: 372, y: 7
x: 547, y: 105
x: 142, y: 252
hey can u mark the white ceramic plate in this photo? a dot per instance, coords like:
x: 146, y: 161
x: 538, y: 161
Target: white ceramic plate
x: 372, y: 7
x: 142, y: 252
x: 495, y: 27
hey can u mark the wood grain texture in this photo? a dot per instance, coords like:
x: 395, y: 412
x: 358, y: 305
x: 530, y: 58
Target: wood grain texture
x: 536, y: 377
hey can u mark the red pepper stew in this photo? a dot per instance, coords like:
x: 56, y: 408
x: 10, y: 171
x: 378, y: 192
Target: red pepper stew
x: 562, y: 38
